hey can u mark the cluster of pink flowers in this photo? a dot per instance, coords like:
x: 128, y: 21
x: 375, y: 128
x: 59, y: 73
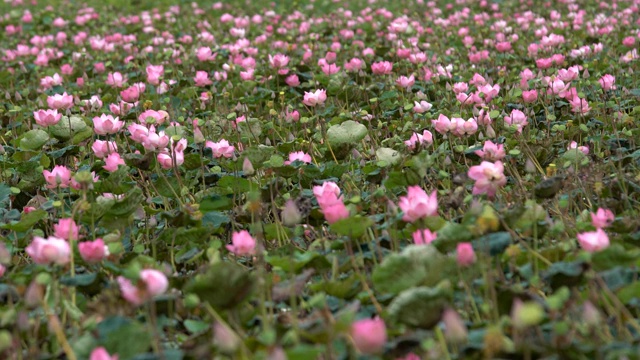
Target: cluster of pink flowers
x: 61, y: 177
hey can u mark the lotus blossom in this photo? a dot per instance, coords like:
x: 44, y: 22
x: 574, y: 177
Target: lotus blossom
x: 112, y: 161
x: 151, y: 283
x: 93, y: 251
x: 369, y: 335
x: 423, y: 236
x: 517, y: 120
x: 220, y: 148
x: 116, y: 80
x: 242, y: 243
x: 421, y: 107
x: 607, y: 82
x: 417, y: 204
x: 51, y: 250
x: 602, y: 218
x: 491, y: 151
x: 382, y: 68
x: 317, y: 97
x: 582, y: 149
x: 60, y: 176
x: 107, y: 124
x: 58, y: 101
x: 298, y: 155
x: 488, y: 176
x: 594, y: 241
x: 202, y: 79
x: 465, y: 255
x: 46, y: 118
x: 66, y: 229
x: 426, y: 138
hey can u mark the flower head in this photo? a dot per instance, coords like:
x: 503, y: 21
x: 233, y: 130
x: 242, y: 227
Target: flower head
x: 488, y: 176
x: 369, y: 335
x: 417, y: 204
x: 593, y: 241
x: 242, y: 243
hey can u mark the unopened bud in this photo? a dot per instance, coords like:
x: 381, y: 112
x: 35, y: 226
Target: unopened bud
x: 455, y: 331
x: 590, y: 314
x: 247, y: 167
x: 224, y: 338
x: 34, y: 294
x: 290, y: 214
x: 529, y: 166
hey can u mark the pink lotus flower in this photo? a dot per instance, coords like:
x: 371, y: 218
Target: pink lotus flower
x: 154, y: 117
x: 115, y: 79
x: 205, y: 54
x: 330, y: 69
x: 52, y: 250
x: 94, y: 103
x: 579, y: 106
x: 165, y: 160
x: 489, y: 91
x: 155, y: 141
x: 558, y: 87
x: 151, y: 284
x: 594, y: 241
x: 327, y: 193
x: 607, y: 82
x: 382, y: 68
x: 421, y: 107
x: 58, y: 101
x: 242, y: 243
x: 354, y: 64
x: 101, y: 353
x: 317, y: 97
x: 292, y: 116
x: 60, y: 176
x: 602, y: 218
x: 517, y: 119
x: 488, y: 176
x: 417, y: 139
x: 460, y: 87
x: 335, y: 211
x: 298, y: 155
x: 130, y: 94
x: 491, y: 151
x: 154, y: 73
x: 46, y: 118
x: 529, y: 96
x: 112, y: 161
x: 107, y: 124
x: 464, y: 127
x: 220, y: 148
x: 406, y: 82
x: 369, y: 335
x: 443, y: 125
x: 417, y: 204
x: 423, y: 236
x: 582, y: 149
x: 202, y: 79
x: 93, y: 251
x: 465, y: 255
x: 66, y: 229
x: 292, y: 80
x: 278, y: 61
